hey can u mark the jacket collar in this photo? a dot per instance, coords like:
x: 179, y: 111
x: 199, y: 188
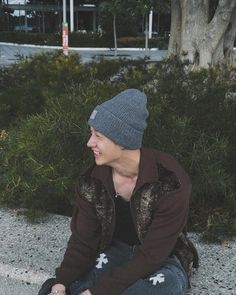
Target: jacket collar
x: 148, y: 171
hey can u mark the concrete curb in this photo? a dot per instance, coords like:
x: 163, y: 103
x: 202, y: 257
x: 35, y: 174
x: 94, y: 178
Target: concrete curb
x: 80, y: 48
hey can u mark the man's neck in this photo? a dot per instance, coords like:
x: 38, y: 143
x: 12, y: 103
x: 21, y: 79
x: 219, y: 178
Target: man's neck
x: 128, y: 164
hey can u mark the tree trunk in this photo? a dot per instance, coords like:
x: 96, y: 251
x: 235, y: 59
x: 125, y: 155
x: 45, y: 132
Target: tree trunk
x: 214, y: 35
x: 194, y: 21
x: 115, y: 37
x: 229, y: 39
x: 218, y: 54
x: 196, y: 39
x: 175, y: 30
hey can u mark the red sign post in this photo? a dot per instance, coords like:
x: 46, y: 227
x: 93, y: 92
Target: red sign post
x: 65, y: 38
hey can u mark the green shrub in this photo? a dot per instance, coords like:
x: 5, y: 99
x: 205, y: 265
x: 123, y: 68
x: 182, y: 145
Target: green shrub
x: 43, y: 154
x: 220, y: 226
x: 192, y: 117
x: 206, y: 97
x: 41, y: 158
x: 31, y: 38
x: 203, y: 156
x: 34, y: 79
x: 89, y: 39
x: 139, y: 42
x: 79, y: 39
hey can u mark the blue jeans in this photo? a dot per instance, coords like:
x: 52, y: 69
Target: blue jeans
x: 171, y: 279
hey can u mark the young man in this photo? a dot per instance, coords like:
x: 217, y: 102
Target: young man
x: 128, y: 227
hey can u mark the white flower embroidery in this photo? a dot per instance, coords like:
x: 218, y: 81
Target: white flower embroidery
x: 102, y: 259
x: 160, y: 278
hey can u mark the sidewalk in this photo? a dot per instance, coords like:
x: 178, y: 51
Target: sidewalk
x: 29, y: 253
x: 10, y: 52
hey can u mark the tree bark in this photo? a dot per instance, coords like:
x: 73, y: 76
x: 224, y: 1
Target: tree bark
x: 194, y: 23
x: 196, y: 39
x: 175, y: 30
x: 229, y: 39
x: 213, y: 39
x: 188, y: 30
x: 218, y: 55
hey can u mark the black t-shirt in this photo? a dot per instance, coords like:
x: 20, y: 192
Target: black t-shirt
x: 124, y: 227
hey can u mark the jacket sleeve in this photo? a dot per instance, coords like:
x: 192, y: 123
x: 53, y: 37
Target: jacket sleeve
x: 169, y: 220
x: 82, y: 247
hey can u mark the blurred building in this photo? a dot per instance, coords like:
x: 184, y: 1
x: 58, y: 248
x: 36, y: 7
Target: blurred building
x: 46, y: 16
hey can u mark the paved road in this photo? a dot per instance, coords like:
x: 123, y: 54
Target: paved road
x: 29, y: 253
x: 10, y: 53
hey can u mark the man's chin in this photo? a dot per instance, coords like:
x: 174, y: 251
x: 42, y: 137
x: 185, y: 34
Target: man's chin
x: 99, y: 162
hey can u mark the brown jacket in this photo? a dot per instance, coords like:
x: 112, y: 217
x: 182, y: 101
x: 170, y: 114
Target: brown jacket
x: 159, y: 207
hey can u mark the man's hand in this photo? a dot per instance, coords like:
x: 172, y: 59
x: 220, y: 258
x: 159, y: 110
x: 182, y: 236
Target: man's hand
x: 86, y: 292
x: 58, y: 289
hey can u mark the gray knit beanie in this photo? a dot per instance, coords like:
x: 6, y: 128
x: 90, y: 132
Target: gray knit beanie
x: 122, y: 118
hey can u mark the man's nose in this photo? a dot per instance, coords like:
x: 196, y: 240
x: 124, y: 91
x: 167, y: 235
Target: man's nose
x: 91, y: 142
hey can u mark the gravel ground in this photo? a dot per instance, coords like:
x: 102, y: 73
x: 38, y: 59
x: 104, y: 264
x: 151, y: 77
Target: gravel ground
x: 217, y: 272
x: 29, y: 253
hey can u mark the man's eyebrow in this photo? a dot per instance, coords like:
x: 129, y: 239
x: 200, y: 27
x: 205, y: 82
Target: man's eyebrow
x: 95, y: 131
x: 98, y: 133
